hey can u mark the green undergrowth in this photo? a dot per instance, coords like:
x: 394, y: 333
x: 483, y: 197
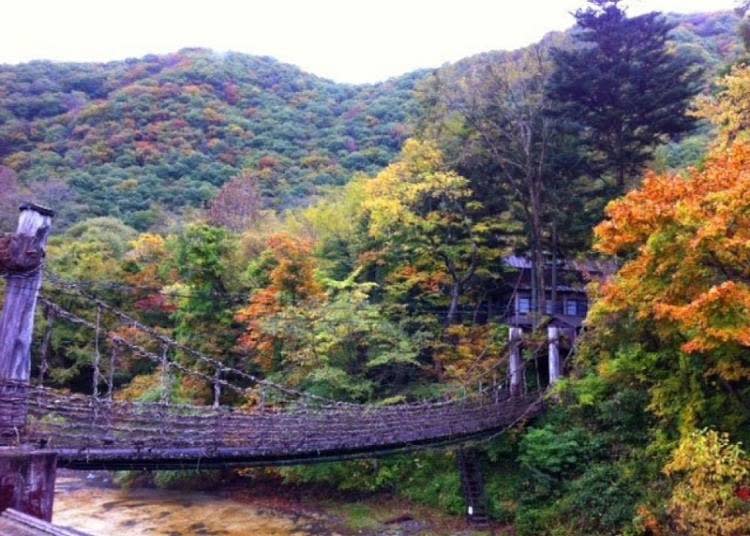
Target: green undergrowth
x: 187, y: 480
x: 428, y: 478
x: 578, y: 470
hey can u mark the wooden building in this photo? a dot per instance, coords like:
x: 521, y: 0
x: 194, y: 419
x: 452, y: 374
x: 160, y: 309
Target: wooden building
x: 566, y: 307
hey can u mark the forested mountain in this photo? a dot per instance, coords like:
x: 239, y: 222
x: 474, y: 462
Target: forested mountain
x: 710, y: 37
x: 167, y: 131
x: 138, y: 137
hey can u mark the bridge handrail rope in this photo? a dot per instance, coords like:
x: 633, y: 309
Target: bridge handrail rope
x: 218, y: 365
x: 117, y: 339
x: 214, y: 363
x: 60, y: 312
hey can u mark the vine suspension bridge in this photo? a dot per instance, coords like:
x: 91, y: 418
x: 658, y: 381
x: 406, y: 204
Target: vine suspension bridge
x: 41, y: 425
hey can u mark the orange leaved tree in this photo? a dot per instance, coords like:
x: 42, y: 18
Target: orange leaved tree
x: 684, y: 289
x: 291, y: 283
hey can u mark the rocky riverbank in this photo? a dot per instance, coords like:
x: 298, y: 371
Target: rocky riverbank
x: 92, y: 503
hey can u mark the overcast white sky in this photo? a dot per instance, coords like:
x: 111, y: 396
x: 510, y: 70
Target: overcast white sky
x: 346, y: 40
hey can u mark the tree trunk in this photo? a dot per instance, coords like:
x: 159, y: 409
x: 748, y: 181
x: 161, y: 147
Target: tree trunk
x: 538, y: 274
x: 537, y: 254
x: 450, y: 318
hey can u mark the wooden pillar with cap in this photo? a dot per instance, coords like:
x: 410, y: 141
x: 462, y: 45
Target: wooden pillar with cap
x: 27, y: 477
x: 21, y: 257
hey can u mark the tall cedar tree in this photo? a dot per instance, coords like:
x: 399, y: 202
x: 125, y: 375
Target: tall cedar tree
x: 624, y: 88
x: 495, y: 124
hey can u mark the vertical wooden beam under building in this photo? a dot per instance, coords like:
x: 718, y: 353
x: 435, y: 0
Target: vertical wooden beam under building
x: 516, y: 363
x: 553, y: 336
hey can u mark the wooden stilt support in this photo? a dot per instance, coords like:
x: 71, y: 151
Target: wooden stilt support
x: 27, y: 478
x: 516, y: 364
x: 21, y: 257
x: 553, y: 336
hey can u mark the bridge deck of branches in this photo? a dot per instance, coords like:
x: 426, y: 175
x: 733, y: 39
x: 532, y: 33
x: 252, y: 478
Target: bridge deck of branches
x: 89, y: 433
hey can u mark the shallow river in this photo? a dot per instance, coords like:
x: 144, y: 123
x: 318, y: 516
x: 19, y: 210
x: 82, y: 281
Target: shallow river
x: 103, y: 510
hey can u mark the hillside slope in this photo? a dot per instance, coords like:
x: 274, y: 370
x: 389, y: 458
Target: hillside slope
x: 167, y: 131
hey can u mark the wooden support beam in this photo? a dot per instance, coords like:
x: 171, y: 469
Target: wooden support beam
x: 516, y: 363
x: 21, y: 257
x: 555, y: 372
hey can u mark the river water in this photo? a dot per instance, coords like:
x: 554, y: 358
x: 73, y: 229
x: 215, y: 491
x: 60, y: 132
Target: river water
x: 101, y: 509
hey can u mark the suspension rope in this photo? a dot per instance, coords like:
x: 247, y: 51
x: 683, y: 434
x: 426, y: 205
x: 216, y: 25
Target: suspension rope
x: 136, y: 349
x: 166, y: 380
x: 111, y: 371
x: 220, y: 367
x: 97, y: 355
x: 46, y: 342
x: 212, y: 362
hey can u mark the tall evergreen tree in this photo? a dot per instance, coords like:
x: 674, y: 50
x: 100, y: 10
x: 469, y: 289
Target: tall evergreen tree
x: 623, y: 86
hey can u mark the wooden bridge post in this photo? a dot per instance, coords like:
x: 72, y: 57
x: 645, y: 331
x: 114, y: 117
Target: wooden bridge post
x: 553, y: 336
x: 516, y: 364
x: 27, y: 477
x: 21, y: 261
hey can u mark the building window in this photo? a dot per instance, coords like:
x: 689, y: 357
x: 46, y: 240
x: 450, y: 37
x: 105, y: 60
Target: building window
x: 523, y: 305
x: 576, y: 308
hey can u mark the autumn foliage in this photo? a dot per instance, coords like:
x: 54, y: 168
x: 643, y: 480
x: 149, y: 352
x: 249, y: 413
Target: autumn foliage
x: 686, y: 246
x: 292, y: 282
x: 710, y: 496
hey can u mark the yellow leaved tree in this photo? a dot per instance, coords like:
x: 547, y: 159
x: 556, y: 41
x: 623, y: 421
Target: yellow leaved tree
x: 712, y: 493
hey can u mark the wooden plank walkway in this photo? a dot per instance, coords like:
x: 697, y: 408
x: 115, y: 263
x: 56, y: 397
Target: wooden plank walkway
x: 14, y: 523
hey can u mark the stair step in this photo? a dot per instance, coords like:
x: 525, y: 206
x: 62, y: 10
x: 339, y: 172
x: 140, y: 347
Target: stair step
x: 472, y: 484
